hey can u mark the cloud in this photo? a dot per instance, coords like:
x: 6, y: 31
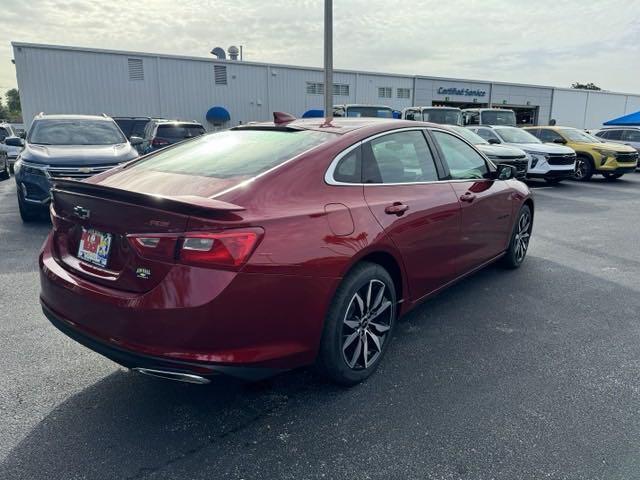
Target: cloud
x: 543, y: 42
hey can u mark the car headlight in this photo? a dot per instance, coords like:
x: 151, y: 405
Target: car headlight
x: 536, y: 157
x: 605, y: 153
x: 31, y: 168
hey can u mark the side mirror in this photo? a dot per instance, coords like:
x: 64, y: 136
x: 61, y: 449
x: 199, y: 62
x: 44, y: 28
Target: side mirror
x: 14, y: 142
x: 23, y: 134
x: 410, y: 116
x: 506, y: 172
x: 559, y: 140
x: 135, y: 141
x: 493, y: 141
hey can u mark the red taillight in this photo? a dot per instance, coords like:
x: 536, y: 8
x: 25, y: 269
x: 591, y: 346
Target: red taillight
x: 223, y: 249
x: 159, y: 142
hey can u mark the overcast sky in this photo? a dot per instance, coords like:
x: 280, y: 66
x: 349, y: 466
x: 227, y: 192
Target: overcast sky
x: 540, y: 42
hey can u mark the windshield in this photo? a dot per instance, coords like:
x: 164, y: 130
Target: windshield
x: 233, y: 153
x: 515, y: 135
x: 381, y: 112
x: 575, y: 135
x: 469, y: 136
x: 498, y: 117
x: 445, y: 117
x: 179, y: 131
x: 75, y: 132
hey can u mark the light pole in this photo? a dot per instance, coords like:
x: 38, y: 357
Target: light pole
x: 328, y: 62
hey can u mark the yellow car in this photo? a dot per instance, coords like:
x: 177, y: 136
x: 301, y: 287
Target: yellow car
x: 594, y: 156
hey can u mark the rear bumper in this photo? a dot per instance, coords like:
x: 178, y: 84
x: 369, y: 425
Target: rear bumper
x: 130, y: 359
x: 212, y: 319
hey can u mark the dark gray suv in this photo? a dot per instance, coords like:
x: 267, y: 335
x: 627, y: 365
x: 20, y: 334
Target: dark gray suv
x: 65, y: 146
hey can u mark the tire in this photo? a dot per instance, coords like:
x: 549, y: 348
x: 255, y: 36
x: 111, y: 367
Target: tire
x: 349, y: 337
x: 519, y: 243
x: 584, y: 169
x: 611, y: 176
x: 553, y: 181
x: 5, y: 175
x: 28, y: 214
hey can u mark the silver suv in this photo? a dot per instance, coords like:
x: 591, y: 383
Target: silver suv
x: 627, y: 135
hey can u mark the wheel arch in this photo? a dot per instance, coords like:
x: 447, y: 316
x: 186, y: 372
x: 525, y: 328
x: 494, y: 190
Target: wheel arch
x: 392, y: 263
x: 588, y: 156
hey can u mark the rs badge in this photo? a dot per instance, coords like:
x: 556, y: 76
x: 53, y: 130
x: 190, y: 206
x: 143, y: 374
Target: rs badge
x: 143, y: 273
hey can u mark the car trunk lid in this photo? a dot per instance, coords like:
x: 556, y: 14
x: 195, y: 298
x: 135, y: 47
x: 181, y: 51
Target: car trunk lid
x: 109, y: 217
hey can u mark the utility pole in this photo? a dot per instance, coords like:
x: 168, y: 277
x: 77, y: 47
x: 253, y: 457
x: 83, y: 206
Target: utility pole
x: 328, y: 62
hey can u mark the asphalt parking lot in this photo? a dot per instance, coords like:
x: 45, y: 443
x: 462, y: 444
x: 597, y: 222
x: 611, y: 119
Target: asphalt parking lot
x: 525, y: 374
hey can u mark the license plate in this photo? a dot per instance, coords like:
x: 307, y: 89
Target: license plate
x: 94, y: 246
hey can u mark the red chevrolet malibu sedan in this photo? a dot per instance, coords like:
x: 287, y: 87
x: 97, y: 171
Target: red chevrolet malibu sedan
x: 272, y: 246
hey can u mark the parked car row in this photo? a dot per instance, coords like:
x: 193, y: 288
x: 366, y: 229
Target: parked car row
x: 78, y: 147
x: 354, y: 223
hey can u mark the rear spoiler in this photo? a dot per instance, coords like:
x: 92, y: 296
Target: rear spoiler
x: 185, y: 204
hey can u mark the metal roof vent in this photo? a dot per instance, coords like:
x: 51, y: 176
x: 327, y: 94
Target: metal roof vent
x: 219, y: 52
x: 233, y: 52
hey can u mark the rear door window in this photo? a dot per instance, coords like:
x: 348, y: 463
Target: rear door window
x: 613, y: 134
x: 233, y: 153
x: 349, y: 168
x: 402, y: 157
x: 179, y: 132
x: 631, y: 136
x: 463, y: 161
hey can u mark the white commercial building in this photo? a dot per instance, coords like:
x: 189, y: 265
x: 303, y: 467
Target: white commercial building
x: 58, y: 79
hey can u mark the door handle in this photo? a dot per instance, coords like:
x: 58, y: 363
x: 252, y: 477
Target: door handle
x: 398, y: 208
x: 468, y: 197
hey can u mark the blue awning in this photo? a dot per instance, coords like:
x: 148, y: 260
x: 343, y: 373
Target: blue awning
x: 630, y: 119
x: 218, y: 115
x: 313, y: 114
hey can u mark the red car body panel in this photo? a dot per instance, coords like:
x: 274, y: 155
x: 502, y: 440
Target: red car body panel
x: 270, y: 313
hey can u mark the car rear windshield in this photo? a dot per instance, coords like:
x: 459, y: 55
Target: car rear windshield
x: 498, y: 117
x: 369, y: 112
x: 233, y: 153
x: 179, y: 131
x: 445, y: 117
x: 75, y: 132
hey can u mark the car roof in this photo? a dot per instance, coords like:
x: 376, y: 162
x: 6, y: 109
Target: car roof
x: 617, y: 127
x: 339, y: 125
x: 73, y: 117
x: 551, y: 127
x: 161, y: 121
x: 493, y: 126
x: 481, y: 109
x: 131, y: 118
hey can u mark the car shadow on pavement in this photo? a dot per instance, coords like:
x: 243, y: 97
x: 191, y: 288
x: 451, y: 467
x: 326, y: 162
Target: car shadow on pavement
x: 484, y: 370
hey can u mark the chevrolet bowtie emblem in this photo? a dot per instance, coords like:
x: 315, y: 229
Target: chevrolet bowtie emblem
x: 81, y: 212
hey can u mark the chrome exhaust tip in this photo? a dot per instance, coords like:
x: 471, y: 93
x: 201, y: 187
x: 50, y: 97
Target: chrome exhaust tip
x: 176, y: 376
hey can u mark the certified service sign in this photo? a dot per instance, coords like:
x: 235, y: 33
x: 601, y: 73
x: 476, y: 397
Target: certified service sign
x: 465, y: 92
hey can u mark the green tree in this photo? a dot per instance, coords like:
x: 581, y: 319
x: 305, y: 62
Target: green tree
x: 4, y: 114
x: 13, y: 100
x: 585, y: 86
